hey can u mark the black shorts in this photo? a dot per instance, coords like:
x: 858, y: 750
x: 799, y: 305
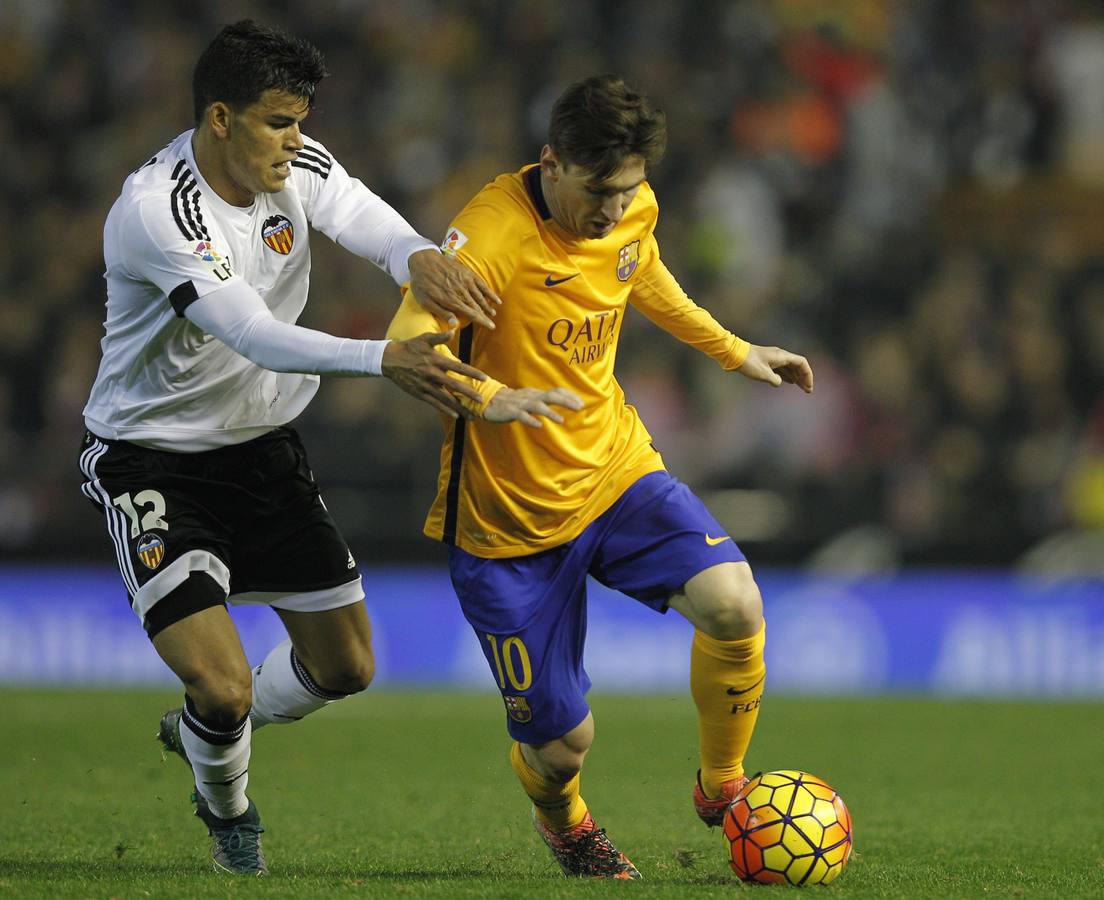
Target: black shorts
x: 245, y: 522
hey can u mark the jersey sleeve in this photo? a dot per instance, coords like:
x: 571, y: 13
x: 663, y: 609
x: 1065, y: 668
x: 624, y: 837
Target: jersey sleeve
x: 185, y: 258
x: 351, y: 215
x: 660, y: 297
x: 488, y: 237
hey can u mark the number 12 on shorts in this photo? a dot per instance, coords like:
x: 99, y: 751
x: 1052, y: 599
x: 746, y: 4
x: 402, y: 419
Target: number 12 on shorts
x: 154, y: 516
x: 508, y: 659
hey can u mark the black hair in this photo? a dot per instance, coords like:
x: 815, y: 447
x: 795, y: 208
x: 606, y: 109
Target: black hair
x: 246, y: 59
x: 599, y: 122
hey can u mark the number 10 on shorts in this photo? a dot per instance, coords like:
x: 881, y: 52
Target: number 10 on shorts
x: 511, y: 662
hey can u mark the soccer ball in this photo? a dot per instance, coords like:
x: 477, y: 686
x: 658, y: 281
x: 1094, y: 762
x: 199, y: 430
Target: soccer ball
x: 788, y: 826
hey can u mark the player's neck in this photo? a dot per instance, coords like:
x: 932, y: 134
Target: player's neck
x: 548, y: 191
x: 212, y: 166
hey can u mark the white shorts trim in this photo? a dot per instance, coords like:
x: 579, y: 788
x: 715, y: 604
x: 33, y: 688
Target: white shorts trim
x: 308, y: 601
x: 176, y: 574
x: 117, y: 524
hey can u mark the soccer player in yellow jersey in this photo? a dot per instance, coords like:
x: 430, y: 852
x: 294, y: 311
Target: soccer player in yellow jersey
x: 528, y: 513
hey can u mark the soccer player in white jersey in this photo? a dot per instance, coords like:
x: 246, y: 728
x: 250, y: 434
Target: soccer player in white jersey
x: 205, y: 488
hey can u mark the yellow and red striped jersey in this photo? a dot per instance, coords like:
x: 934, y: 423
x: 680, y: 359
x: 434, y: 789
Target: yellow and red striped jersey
x: 510, y: 490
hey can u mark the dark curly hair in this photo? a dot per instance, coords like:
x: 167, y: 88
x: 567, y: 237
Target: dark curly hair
x: 246, y: 59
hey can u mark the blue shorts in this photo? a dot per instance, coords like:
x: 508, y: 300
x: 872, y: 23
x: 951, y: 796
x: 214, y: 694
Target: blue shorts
x: 529, y: 612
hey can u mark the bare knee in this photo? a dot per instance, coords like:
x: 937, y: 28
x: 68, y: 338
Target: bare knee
x: 221, y: 697
x: 726, y: 603
x: 736, y: 617
x: 353, y: 677
x: 350, y: 673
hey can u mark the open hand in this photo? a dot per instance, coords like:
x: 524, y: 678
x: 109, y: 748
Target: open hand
x: 525, y: 404
x: 775, y: 365
x: 416, y: 367
x: 447, y: 288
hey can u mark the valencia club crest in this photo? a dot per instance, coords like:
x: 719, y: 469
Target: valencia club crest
x: 151, y: 550
x: 278, y: 234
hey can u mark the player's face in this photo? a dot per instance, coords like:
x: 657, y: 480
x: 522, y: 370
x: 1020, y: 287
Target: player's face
x: 583, y: 205
x: 261, y: 141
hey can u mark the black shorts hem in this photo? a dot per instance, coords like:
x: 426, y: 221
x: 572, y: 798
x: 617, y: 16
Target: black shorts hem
x: 197, y: 593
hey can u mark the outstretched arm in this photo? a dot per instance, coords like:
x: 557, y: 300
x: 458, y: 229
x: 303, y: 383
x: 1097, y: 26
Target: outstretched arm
x: 659, y: 296
x: 237, y: 316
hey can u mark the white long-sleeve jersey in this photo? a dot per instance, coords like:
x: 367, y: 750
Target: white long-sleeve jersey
x: 200, y: 349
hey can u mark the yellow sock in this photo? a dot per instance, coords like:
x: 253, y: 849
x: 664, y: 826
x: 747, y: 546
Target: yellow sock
x: 558, y: 806
x: 726, y: 681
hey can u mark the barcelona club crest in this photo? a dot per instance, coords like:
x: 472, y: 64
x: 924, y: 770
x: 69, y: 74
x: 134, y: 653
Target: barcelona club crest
x: 627, y: 258
x: 151, y: 550
x: 518, y: 708
x: 278, y: 234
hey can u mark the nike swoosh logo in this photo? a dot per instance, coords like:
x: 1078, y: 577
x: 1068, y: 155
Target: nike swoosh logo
x: 732, y: 692
x: 712, y: 541
x: 552, y: 282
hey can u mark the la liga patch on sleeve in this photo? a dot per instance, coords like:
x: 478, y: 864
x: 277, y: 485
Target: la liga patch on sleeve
x: 454, y: 240
x: 219, y: 263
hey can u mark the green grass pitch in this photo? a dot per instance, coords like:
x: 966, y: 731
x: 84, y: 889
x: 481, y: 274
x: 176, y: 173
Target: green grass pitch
x: 408, y: 794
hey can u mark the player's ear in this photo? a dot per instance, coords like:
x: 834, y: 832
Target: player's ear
x: 550, y: 163
x: 218, y: 116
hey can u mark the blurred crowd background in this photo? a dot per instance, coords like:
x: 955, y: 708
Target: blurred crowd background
x: 910, y: 193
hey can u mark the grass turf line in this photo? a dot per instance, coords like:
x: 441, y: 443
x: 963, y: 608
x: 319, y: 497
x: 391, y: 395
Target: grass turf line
x: 411, y: 795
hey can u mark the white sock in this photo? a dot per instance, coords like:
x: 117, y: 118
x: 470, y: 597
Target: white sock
x: 283, y: 690
x: 220, y: 761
